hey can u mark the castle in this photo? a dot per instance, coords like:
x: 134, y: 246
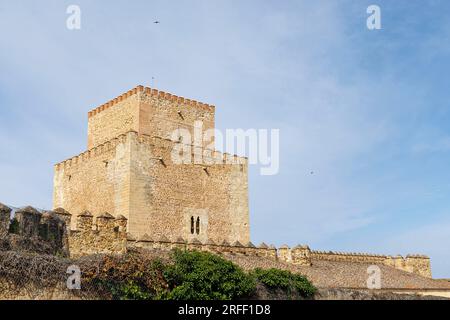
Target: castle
x: 129, y: 170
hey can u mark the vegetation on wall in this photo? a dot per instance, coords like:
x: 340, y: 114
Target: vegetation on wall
x: 292, y: 283
x: 188, y: 275
x: 144, y: 275
x: 198, y: 275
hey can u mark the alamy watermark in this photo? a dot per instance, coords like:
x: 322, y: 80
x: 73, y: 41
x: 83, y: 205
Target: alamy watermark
x: 73, y: 22
x: 262, y: 147
x: 374, y: 20
x: 374, y: 279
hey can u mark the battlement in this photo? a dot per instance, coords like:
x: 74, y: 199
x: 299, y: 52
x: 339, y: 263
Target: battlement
x: 95, y: 151
x: 211, y: 155
x: 150, y: 92
x: 108, y: 234
x: 32, y: 230
x: 300, y: 255
x: 101, y: 234
x: 419, y: 264
x: 224, y: 247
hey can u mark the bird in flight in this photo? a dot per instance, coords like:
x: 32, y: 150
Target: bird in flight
x: 156, y: 22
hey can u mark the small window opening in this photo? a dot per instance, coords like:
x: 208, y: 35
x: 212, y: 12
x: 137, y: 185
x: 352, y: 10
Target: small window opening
x: 192, y: 225
x: 197, y: 226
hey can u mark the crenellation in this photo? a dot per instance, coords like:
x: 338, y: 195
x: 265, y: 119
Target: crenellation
x: 134, y: 194
x: 121, y: 223
x: 5, y: 214
x: 28, y: 219
x: 105, y: 222
x: 85, y: 221
x: 109, y: 234
x: 237, y: 244
x: 221, y: 158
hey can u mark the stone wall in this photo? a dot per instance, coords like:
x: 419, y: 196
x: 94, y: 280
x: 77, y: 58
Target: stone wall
x: 237, y: 248
x: 147, y: 111
x: 166, y: 196
x: 104, y: 234
x: 418, y: 264
x: 135, y: 175
x: 298, y: 255
x: 50, y: 232
x: 31, y: 230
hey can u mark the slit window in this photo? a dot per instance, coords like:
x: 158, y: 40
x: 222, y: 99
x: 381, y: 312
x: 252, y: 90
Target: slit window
x: 197, y: 226
x: 192, y: 225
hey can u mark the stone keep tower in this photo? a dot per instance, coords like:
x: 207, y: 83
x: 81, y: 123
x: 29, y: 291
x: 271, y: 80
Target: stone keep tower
x: 128, y: 169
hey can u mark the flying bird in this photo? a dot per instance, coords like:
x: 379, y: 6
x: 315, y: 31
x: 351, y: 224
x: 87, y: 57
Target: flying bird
x: 156, y: 21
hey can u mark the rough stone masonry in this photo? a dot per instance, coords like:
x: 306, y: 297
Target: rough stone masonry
x: 128, y: 170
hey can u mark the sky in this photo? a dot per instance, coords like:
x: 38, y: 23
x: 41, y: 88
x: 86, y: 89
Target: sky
x: 363, y: 114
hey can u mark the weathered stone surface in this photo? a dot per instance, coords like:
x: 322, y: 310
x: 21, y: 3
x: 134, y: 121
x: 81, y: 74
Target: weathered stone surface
x: 129, y: 170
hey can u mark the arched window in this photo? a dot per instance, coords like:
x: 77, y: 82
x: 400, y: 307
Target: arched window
x: 192, y: 225
x: 197, y: 226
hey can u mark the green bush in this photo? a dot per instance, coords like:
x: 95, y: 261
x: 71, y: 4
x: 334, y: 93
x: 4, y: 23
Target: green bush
x: 130, y: 290
x: 188, y: 275
x: 198, y: 275
x: 285, y: 280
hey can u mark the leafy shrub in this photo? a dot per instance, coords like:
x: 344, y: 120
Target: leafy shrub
x: 285, y: 280
x: 198, y: 275
x: 128, y: 290
x: 187, y: 275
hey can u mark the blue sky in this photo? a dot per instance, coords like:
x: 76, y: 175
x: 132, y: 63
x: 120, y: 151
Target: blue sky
x: 366, y: 111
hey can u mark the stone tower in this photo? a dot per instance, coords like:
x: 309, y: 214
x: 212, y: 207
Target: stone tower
x: 129, y: 169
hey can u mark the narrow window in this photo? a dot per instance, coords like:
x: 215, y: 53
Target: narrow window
x: 192, y: 225
x: 197, y: 226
